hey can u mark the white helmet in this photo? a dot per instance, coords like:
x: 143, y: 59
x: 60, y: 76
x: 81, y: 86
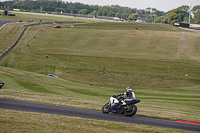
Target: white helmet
x: 128, y: 89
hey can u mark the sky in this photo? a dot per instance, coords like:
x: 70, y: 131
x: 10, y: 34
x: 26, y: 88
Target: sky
x: 162, y: 5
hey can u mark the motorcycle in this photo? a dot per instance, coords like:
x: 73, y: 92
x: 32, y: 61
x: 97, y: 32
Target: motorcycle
x: 129, y: 108
x: 1, y: 84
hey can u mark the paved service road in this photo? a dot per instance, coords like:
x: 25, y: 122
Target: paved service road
x: 67, y: 111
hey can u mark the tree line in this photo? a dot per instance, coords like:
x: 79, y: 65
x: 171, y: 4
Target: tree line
x: 181, y: 14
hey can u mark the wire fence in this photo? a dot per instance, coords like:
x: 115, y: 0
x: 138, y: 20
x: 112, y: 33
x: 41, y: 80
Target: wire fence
x: 124, y: 28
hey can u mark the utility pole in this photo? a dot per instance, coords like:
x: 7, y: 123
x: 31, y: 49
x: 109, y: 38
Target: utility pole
x: 41, y: 9
x: 53, y: 18
x: 189, y: 12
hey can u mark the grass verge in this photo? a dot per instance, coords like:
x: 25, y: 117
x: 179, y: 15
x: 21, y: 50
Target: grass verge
x: 157, y: 103
x: 15, y: 121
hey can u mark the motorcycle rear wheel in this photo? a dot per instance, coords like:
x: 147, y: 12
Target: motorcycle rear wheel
x: 106, y: 108
x: 131, y: 111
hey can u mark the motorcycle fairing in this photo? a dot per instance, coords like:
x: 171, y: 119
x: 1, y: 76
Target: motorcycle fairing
x: 132, y: 101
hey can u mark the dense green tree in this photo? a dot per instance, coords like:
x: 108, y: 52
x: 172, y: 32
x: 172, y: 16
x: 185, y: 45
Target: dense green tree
x: 100, y: 12
x: 150, y: 19
x: 34, y: 8
x: 197, y: 17
x: 104, y: 12
x: 118, y: 15
x: 159, y: 19
x: 29, y: 8
x: 195, y: 9
x: 84, y: 11
x: 93, y: 13
x: 184, y: 8
x: 110, y: 14
x: 59, y: 10
x: 149, y: 14
x: 177, y: 15
x: 173, y: 16
x: 133, y: 16
x: 166, y: 20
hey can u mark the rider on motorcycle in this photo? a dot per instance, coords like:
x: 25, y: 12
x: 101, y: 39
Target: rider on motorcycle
x: 129, y: 93
x: 120, y: 104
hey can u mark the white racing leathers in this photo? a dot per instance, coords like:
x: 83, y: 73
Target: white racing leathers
x: 130, y: 95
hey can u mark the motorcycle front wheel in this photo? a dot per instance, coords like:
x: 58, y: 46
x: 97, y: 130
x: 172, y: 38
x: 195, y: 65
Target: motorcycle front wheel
x: 106, y: 108
x: 131, y: 111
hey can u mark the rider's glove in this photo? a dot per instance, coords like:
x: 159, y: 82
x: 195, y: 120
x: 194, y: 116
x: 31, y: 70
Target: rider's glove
x: 114, y: 96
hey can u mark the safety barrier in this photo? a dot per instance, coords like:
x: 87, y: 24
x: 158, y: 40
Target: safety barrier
x: 8, y: 49
x: 124, y: 28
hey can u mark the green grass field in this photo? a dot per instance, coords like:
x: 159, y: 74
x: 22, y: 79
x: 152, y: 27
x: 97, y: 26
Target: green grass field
x: 164, y: 74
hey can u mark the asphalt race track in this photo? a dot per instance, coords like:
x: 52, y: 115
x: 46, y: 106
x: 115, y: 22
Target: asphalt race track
x: 2, y: 22
x: 90, y: 114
